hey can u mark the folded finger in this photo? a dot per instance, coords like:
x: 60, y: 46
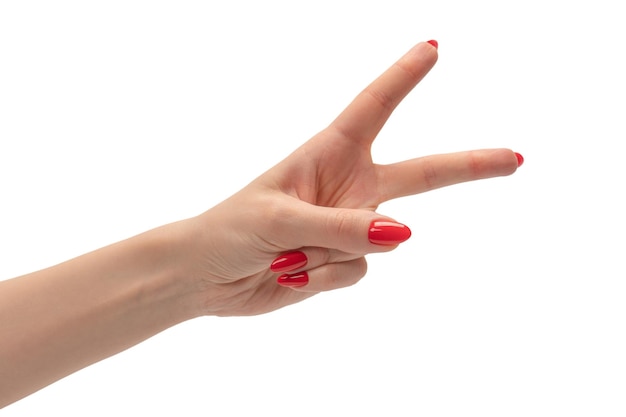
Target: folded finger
x: 326, y: 277
x: 308, y: 258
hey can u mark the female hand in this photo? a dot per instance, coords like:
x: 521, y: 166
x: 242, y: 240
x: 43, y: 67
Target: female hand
x: 302, y: 227
x: 312, y: 217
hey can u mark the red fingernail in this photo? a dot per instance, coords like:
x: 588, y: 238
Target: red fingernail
x: 293, y: 280
x: 289, y: 262
x: 383, y: 232
x: 520, y: 159
x: 434, y: 43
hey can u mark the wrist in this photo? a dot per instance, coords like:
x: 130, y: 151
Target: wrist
x: 163, y: 257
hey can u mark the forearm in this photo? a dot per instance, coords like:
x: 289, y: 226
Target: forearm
x: 56, y: 321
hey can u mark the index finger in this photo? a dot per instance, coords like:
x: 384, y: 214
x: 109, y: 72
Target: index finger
x: 365, y: 116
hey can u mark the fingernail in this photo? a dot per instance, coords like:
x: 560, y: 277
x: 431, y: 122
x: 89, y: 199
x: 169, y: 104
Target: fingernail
x: 293, y: 280
x: 289, y: 261
x: 520, y: 159
x: 383, y: 232
x: 434, y: 43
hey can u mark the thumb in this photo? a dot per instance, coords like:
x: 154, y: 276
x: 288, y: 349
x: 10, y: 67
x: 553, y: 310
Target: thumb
x: 349, y: 230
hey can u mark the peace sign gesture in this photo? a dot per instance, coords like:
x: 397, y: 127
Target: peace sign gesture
x: 311, y: 218
x: 302, y: 227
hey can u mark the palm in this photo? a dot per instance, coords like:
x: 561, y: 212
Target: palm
x: 339, y: 173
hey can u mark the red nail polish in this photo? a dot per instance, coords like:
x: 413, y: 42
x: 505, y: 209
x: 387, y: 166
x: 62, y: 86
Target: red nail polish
x: 299, y: 279
x: 434, y: 43
x: 388, y: 233
x: 288, y: 262
x: 520, y: 159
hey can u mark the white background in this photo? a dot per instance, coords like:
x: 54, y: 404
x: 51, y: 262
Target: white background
x: 509, y: 299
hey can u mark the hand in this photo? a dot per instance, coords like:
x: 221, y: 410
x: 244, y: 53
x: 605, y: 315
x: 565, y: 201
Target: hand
x: 302, y: 227
x: 312, y: 216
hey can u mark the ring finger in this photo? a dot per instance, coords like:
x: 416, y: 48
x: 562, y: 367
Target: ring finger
x: 308, y: 258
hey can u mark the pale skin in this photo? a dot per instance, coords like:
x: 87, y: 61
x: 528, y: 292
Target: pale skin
x: 58, y: 320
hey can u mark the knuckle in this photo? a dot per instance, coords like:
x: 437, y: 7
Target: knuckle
x: 276, y: 219
x: 386, y: 101
x: 404, y: 66
x: 475, y: 166
x: 352, y: 273
x: 342, y: 223
x: 361, y: 268
x: 429, y: 175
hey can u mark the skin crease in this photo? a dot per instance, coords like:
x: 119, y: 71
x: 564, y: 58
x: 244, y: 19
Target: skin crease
x: 96, y: 305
